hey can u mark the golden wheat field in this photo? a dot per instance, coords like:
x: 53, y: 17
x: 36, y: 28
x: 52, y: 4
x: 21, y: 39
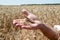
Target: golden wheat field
x: 49, y: 14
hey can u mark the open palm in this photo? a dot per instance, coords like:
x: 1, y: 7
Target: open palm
x: 34, y: 21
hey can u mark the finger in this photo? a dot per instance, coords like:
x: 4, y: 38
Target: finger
x: 29, y: 15
x: 37, y: 22
x: 19, y: 21
x: 25, y: 12
x: 28, y: 27
x: 33, y: 24
x: 23, y: 25
x: 18, y: 25
x: 14, y: 22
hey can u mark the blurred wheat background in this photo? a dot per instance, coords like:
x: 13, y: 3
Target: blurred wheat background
x: 49, y: 14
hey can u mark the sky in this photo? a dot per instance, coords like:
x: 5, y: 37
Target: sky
x: 19, y: 2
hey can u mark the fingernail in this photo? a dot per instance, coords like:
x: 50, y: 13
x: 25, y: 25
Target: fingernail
x: 14, y: 22
x: 23, y: 10
x: 23, y: 26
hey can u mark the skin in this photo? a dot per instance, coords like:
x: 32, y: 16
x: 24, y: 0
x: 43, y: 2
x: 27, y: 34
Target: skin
x: 49, y: 32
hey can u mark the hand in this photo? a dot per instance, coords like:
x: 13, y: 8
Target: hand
x: 33, y: 21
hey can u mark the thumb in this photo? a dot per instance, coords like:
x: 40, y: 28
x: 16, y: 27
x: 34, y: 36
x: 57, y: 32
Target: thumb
x: 31, y: 17
x: 25, y: 12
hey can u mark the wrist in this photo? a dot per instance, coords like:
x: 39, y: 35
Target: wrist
x: 41, y: 25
